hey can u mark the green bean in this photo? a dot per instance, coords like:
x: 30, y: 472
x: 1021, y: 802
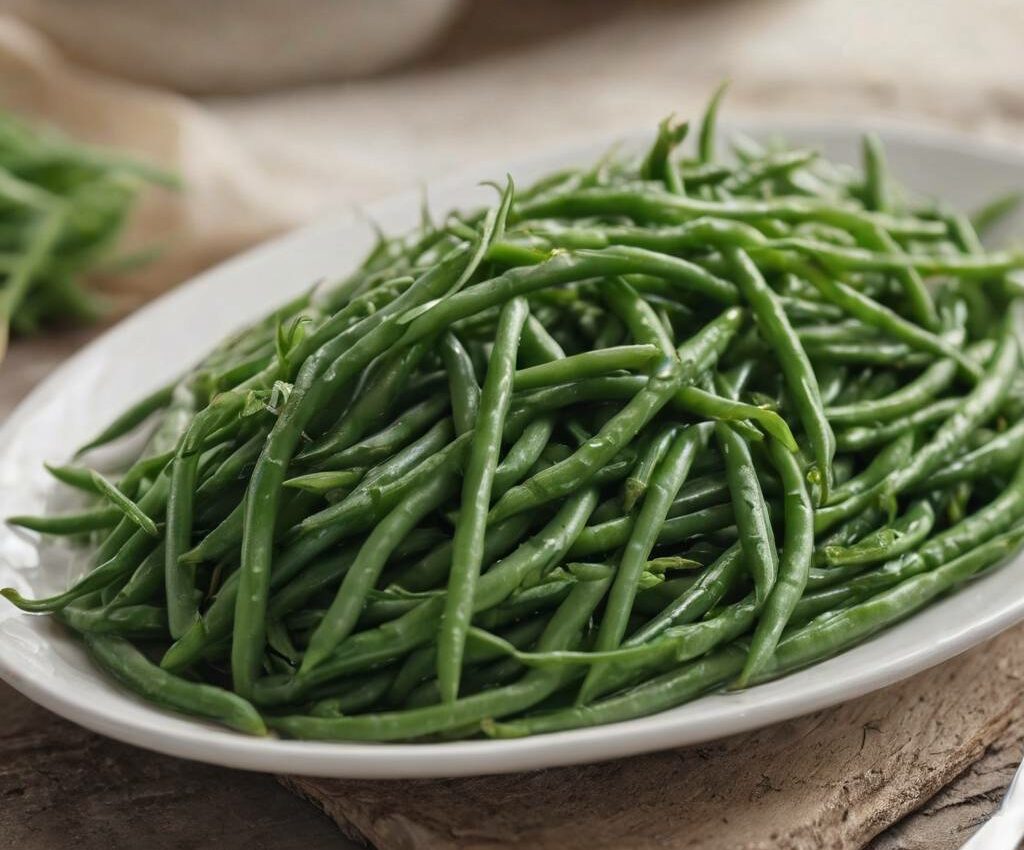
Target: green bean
x: 83, y: 522
x: 838, y: 333
x: 78, y: 477
x: 561, y: 268
x: 390, y: 440
x: 131, y: 418
x: 433, y: 567
x: 575, y: 471
x: 146, y: 622
x: 864, y: 260
x: 526, y: 602
x: 800, y: 378
x: 523, y: 454
x: 323, y: 483
x: 125, y: 505
x: 324, y: 574
x: 596, y: 539
x: 989, y: 215
x: 636, y: 314
x: 979, y: 406
x: 179, y: 575
x: 132, y: 669
x: 333, y: 515
x: 712, y: 585
x: 800, y: 309
x: 361, y: 510
x: 230, y: 469
x: 587, y: 365
x: 562, y: 629
x: 771, y: 167
x: 385, y: 380
x: 388, y: 482
x: 318, y: 379
x: 470, y: 528
x: 862, y: 437
x: 643, y: 205
x: 876, y: 179
x: 364, y: 571
x: 358, y: 696
x: 877, y: 315
x: 658, y: 164
x: 395, y: 638
x: 757, y: 540
x: 988, y: 459
x: 696, y: 494
x: 852, y: 530
x: 537, y: 346
x: 419, y: 665
x: 931, y: 382
x: 222, y: 540
x: 665, y: 483
x: 702, y: 403
x: 462, y: 385
x: 893, y: 456
x: 145, y: 583
x: 636, y: 663
x: 709, y: 124
x: 655, y: 695
x: 797, y: 548
x: 888, y: 354
x: 992, y: 519
x: 636, y: 484
x: 903, y: 535
x: 827, y: 637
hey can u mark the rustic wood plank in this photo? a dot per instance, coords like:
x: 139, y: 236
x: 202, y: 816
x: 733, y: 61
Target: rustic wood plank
x: 62, y: 786
x: 833, y: 779
x: 947, y: 820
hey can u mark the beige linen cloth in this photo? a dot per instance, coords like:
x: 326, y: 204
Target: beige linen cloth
x: 256, y: 165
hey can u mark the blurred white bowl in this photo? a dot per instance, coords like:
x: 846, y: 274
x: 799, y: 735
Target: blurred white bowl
x: 207, y: 46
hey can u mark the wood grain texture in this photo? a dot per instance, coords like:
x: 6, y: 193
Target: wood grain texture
x: 947, y: 820
x: 834, y: 779
x: 64, y: 787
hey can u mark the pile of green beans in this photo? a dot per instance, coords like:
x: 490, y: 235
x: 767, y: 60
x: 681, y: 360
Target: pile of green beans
x: 62, y: 208
x: 673, y: 423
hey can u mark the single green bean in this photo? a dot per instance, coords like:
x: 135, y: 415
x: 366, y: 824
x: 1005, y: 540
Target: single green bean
x: 800, y: 377
x: 797, y: 550
x: 134, y: 670
x: 470, y: 528
x: 903, y: 535
x: 586, y: 365
x: 462, y: 385
x: 665, y: 484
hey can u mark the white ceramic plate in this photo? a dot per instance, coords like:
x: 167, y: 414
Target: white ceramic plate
x: 146, y: 350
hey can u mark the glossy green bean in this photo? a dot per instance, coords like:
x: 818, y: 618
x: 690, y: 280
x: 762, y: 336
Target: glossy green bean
x: 575, y: 471
x: 478, y: 480
x: 462, y: 385
x: 586, y: 365
x: 757, y: 540
x: 903, y: 535
x: 794, y: 564
x: 665, y: 483
x: 132, y: 669
x: 801, y: 380
x: 362, y: 574
x: 636, y: 484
